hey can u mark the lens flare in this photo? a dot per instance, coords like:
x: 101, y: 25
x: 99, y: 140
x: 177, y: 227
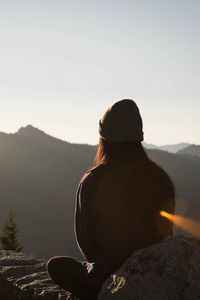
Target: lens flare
x: 190, y: 226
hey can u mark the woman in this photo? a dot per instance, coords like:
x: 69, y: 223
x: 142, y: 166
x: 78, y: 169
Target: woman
x: 118, y: 204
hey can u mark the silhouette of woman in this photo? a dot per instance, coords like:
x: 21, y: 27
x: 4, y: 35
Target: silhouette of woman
x: 118, y: 204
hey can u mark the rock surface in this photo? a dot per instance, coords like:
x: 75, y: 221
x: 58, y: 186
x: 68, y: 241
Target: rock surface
x: 24, y: 277
x: 169, y: 270
x: 165, y: 271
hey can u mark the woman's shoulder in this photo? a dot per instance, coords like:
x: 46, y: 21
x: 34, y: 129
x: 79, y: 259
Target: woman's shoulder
x: 89, y: 182
x: 160, y: 176
x: 93, y: 173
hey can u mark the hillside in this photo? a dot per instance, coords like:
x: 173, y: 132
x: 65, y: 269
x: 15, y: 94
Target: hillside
x: 169, y: 148
x: 39, y: 177
x: 193, y: 150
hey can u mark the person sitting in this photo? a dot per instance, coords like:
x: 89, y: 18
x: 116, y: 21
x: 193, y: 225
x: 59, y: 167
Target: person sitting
x: 118, y: 204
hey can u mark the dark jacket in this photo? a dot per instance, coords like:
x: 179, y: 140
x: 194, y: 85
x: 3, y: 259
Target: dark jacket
x: 117, y: 210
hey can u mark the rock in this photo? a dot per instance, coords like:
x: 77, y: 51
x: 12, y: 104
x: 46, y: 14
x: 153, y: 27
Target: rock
x: 165, y: 271
x: 24, y: 277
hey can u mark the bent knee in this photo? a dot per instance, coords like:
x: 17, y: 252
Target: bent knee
x: 52, y: 266
x: 62, y: 264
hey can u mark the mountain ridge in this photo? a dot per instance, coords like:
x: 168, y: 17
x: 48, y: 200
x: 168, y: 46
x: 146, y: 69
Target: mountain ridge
x: 34, y: 132
x: 193, y: 150
x: 172, y: 148
x: 39, y: 179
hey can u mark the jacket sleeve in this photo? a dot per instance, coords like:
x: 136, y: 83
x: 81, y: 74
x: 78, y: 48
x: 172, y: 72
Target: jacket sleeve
x: 85, y: 218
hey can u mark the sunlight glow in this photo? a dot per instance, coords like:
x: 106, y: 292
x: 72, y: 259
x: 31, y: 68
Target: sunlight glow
x: 186, y: 224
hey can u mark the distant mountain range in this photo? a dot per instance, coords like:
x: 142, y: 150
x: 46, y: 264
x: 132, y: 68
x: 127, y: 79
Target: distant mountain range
x: 39, y: 175
x: 169, y: 148
x: 180, y: 148
x: 193, y: 150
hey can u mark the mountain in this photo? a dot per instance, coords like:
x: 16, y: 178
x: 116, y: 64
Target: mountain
x: 39, y: 175
x: 174, y: 148
x: 169, y: 148
x: 193, y: 150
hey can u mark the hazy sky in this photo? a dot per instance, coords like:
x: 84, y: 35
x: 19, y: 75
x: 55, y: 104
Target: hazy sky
x: 63, y: 62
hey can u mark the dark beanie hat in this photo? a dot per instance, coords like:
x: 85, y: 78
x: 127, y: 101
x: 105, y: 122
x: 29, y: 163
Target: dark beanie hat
x: 122, y: 123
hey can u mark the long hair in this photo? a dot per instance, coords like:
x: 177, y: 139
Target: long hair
x: 116, y: 152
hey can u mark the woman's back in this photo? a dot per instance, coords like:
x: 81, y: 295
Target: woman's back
x: 128, y: 200
x: 122, y: 206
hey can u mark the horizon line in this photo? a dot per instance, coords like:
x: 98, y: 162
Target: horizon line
x: 91, y: 144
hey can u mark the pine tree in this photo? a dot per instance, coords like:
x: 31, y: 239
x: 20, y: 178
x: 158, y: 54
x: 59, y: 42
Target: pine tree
x: 8, y: 238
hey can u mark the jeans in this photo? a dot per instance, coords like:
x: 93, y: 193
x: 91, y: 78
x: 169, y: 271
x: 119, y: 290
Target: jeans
x: 82, y: 279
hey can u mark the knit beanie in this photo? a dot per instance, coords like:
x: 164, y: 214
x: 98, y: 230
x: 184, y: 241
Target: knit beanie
x: 122, y: 123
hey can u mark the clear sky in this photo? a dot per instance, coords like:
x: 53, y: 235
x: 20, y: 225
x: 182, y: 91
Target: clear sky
x: 63, y: 62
